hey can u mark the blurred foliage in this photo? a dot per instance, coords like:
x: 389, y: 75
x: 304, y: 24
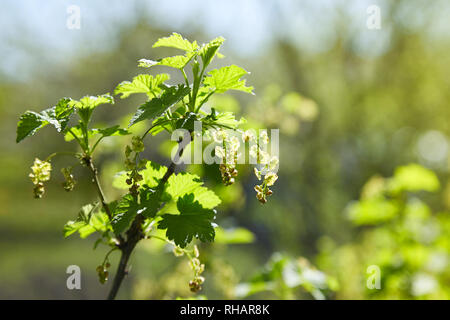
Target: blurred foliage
x: 402, y: 237
x: 343, y: 117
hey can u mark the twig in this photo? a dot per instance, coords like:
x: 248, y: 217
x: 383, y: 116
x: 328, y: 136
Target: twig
x: 134, y: 235
x: 96, y: 181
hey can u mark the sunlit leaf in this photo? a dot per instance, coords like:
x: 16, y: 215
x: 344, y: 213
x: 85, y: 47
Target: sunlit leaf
x: 227, y: 78
x: 143, y: 83
x: 157, y: 106
x: 176, y: 41
x: 194, y: 221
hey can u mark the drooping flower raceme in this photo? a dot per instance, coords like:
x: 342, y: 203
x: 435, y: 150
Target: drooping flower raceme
x: 40, y: 173
x: 228, y: 153
x: 265, y: 169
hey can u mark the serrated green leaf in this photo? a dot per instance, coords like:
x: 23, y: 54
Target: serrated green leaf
x: 157, y: 106
x: 227, y: 78
x: 87, y: 222
x: 193, y: 221
x: 177, y: 62
x: 29, y: 123
x: 124, y: 213
x: 143, y: 83
x: 92, y: 102
x: 86, y: 105
x: 150, y: 201
x: 209, y: 50
x: 176, y: 41
x: 58, y: 116
x: 184, y: 183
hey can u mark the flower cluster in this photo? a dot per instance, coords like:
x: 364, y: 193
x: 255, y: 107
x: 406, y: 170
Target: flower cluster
x: 69, y: 180
x: 102, y: 271
x: 228, y: 152
x: 40, y: 173
x: 196, y: 284
x: 131, y: 156
x: 266, y: 168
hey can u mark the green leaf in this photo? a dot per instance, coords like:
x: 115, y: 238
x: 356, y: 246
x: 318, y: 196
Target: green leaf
x: 87, y: 222
x: 87, y: 104
x: 58, y: 116
x: 150, y: 200
x: 29, y: 123
x: 92, y: 102
x: 177, y: 62
x: 193, y: 221
x: 124, y: 213
x: 227, y: 78
x: 184, y: 183
x: 143, y: 83
x: 157, y: 106
x: 209, y: 50
x: 176, y: 41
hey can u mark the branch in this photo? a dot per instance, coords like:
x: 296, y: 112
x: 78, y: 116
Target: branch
x: 134, y: 235
x: 96, y: 181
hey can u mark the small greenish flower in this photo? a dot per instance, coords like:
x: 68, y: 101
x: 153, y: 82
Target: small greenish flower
x: 270, y: 179
x: 178, y: 252
x: 40, y: 172
x: 248, y: 135
x: 136, y: 144
x: 69, y: 182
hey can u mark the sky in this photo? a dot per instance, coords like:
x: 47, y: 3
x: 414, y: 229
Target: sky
x: 248, y: 25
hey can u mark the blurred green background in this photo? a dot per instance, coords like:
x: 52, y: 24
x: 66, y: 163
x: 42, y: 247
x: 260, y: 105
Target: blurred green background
x: 351, y: 104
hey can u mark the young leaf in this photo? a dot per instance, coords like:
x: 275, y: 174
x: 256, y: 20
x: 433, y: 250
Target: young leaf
x: 88, y: 103
x: 184, y: 183
x: 143, y: 83
x: 87, y: 222
x: 227, y: 78
x: 157, y: 106
x: 150, y: 200
x: 124, y: 213
x: 209, y: 50
x: 92, y: 102
x: 177, y: 62
x: 193, y: 221
x: 176, y: 41
x: 30, y: 122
